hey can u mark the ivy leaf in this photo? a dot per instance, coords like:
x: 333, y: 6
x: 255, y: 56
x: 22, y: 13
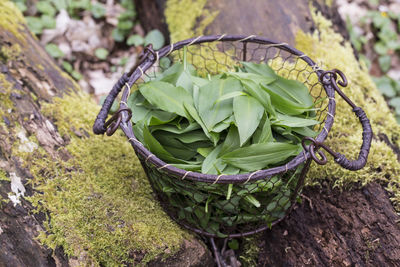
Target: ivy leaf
x: 135, y: 40
x: 117, y: 35
x: 101, y: 53
x: 156, y: 38
x: 385, y: 62
x: 46, y: 7
x: 385, y: 86
x: 54, y: 50
x: 98, y: 11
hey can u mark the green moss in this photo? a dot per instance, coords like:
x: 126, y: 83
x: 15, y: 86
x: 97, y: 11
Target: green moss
x: 11, y: 19
x: 8, y: 53
x: 332, y: 51
x: 187, y: 18
x: 3, y: 176
x: 5, y: 91
x: 249, y: 255
x: 99, y: 200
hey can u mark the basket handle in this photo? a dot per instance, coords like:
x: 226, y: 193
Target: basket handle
x: 100, y: 125
x: 329, y: 77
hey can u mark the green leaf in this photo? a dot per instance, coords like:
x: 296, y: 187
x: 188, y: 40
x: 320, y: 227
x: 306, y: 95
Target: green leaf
x: 231, y: 142
x: 252, y: 200
x: 230, y: 95
x: 380, y: 48
x: 258, y: 156
x: 35, y: 24
x: 76, y: 75
x: 212, y: 164
x: 173, y: 129
x: 117, y: 35
x: 135, y: 40
x: 53, y: 50
x: 264, y: 133
x: 67, y: 66
x: 60, y: 4
x: 205, y: 151
x: 292, y: 90
x: 304, y: 131
x: 155, y: 147
x: 395, y: 102
x: 219, y: 127
x: 261, y: 95
x: 48, y: 21
x: 248, y: 113
x: 159, y: 117
x: 125, y: 25
x: 46, y: 7
x: 165, y: 62
x: 156, y: 38
x: 291, y: 121
x: 384, y: 62
x: 211, y: 111
x: 98, y: 11
x: 261, y: 69
x: 21, y: 6
x: 284, y: 105
x: 244, y: 76
x: 101, y: 53
x: 384, y: 85
x: 166, y: 96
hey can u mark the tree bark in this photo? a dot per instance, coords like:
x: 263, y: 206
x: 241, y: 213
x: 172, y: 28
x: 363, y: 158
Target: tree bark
x: 278, y: 20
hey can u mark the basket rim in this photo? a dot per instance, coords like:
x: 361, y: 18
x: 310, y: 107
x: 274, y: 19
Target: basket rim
x: 150, y: 158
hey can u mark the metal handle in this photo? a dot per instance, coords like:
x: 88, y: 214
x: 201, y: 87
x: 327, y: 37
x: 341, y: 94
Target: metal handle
x: 329, y: 78
x: 354, y: 165
x: 99, y: 126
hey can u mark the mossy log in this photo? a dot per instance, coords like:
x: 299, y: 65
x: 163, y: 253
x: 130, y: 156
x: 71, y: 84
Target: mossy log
x: 60, y: 204
x: 356, y: 223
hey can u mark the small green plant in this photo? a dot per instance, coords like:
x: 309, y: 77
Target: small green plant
x: 385, y: 43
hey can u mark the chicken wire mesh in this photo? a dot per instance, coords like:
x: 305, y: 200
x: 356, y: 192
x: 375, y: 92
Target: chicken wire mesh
x: 217, y: 208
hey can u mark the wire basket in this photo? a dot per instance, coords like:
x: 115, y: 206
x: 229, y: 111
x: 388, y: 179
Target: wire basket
x: 257, y: 200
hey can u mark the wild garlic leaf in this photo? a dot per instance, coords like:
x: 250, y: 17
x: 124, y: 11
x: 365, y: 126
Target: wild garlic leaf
x: 305, y: 131
x: 210, y: 111
x: 264, y: 132
x: 232, y: 141
x: 292, y: 90
x: 292, y: 121
x: 158, y: 117
x: 139, y: 112
x: 212, y: 164
x: 261, y: 69
x: 156, y: 148
x: 251, y: 77
x: 261, y: 95
x: 284, y: 105
x: 259, y: 156
x: 166, y: 96
x: 173, y: 129
x: 219, y: 127
x: 230, y: 95
x: 248, y: 113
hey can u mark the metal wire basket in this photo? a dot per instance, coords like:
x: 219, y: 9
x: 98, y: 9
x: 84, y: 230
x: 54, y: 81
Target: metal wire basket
x: 276, y: 189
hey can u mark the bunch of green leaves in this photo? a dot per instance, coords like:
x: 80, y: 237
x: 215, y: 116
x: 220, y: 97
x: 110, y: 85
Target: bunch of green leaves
x: 234, y: 122
x: 220, y: 208
x: 385, y: 27
x: 390, y: 88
